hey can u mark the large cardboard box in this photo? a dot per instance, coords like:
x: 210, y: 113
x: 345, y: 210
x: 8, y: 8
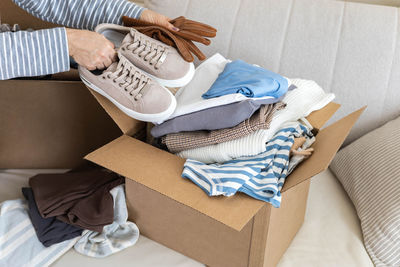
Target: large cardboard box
x: 51, y: 123
x: 48, y: 123
x: 218, y: 231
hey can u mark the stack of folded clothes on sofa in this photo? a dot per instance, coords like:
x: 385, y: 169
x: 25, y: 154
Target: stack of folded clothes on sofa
x: 241, y: 127
x: 84, y: 208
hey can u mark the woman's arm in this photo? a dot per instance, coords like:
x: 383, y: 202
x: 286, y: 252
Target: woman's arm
x: 47, y: 51
x: 33, y: 53
x: 81, y: 14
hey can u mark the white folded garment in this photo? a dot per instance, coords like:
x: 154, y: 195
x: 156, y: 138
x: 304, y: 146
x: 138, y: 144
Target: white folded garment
x: 300, y: 102
x: 189, y: 98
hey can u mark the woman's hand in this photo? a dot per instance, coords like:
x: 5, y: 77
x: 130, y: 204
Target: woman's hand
x: 155, y: 18
x: 90, y: 49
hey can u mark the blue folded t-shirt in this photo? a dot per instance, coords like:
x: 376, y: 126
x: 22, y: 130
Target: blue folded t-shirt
x: 249, y: 80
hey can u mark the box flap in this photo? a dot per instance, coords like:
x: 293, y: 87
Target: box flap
x: 318, y: 118
x: 328, y: 142
x: 128, y: 125
x: 161, y: 171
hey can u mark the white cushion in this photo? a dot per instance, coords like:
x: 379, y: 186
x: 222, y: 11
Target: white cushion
x: 331, y: 234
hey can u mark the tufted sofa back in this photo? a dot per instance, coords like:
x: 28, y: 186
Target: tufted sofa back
x: 350, y: 49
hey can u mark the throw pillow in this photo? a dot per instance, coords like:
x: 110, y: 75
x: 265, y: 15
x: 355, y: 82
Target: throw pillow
x: 369, y: 170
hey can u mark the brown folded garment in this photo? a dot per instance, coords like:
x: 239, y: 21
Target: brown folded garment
x: 81, y: 198
x: 178, y: 142
x: 189, y: 31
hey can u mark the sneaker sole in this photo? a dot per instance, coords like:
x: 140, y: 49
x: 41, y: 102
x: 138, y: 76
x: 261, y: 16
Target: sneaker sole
x: 173, y: 83
x: 154, y: 118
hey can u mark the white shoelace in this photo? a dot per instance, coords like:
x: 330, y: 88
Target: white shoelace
x: 128, y: 78
x: 154, y: 53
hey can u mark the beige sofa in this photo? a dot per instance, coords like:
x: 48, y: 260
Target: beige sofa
x: 350, y: 49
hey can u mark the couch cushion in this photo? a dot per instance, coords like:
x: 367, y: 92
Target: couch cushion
x: 369, y: 171
x: 331, y: 233
x: 378, y: 2
x: 350, y: 49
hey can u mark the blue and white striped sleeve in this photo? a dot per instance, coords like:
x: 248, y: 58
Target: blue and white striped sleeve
x: 45, y: 52
x: 27, y: 54
x: 81, y: 14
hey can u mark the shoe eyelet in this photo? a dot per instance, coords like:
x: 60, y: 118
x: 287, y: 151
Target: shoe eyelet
x: 114, y: 81
x: 150, y: 63
x: 123, y: 48
x: 139, y: 55
x: 108, y: 76
x: 104, y: 77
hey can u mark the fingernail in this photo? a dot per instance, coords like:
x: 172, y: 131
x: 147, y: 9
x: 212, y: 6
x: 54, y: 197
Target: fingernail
x: 175, y: 29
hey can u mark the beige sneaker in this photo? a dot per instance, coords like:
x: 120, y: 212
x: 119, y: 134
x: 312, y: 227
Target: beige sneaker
x: 132, y: 91
x: 161, y: 62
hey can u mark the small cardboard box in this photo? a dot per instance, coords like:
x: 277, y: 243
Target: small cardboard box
x: 217, y: 231
x: 48, y: 123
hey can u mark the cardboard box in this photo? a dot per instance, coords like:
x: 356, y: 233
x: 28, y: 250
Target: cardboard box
x: 48, y: 123
x: 217, y: 231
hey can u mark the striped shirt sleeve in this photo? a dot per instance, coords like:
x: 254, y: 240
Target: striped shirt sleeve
x: 81, y: 14
x: 46, y: 51
x: 27, y: 54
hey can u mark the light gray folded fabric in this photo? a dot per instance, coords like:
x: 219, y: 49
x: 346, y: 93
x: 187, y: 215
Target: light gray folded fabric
x: 114, y: 237
x: 215, y: 118
x: 220, y: 117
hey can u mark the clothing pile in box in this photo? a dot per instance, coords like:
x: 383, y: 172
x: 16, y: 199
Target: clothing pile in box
x: 241, y: 128
x: 84, y: 208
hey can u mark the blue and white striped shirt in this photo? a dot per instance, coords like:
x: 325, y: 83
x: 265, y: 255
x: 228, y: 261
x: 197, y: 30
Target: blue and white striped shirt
x: 46, y: 51
x: 261, y: 176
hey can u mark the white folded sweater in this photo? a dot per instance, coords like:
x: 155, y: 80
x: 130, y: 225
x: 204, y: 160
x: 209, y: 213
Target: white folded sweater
x: 300, y: 102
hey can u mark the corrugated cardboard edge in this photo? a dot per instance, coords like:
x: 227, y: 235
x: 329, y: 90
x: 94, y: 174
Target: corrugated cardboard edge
x: 318, y: 118
x: 288, y: 219
x: 259, y: 235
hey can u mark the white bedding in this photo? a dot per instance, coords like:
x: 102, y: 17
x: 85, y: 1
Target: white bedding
x: 330, y: 235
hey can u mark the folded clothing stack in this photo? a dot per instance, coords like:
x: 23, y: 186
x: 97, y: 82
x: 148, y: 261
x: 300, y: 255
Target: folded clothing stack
x: 241, y: 120
x: 84, y: 208
x: 261, y: 119
x: 260, y: 176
